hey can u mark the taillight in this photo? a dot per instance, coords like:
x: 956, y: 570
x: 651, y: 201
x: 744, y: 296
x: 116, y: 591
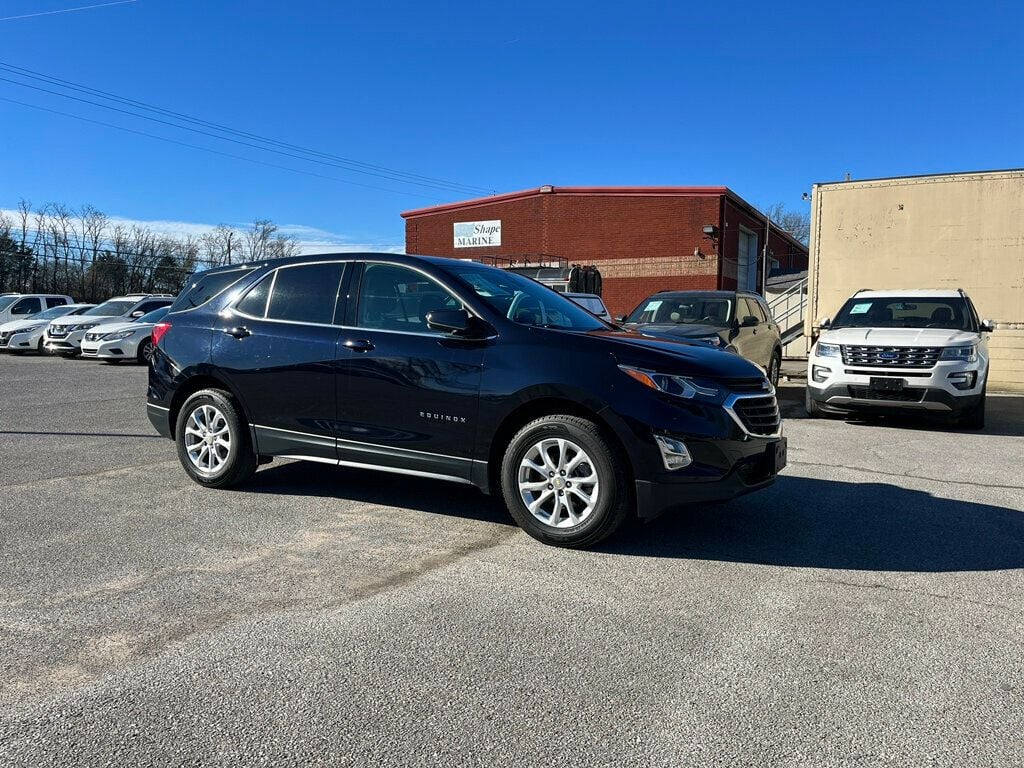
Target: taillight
x: 159, y: 330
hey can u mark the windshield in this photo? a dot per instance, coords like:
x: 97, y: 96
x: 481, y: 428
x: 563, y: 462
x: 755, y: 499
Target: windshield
x: 113, y: 308
x: 6, y: 301
x: 153, y: 317
x: 526, y: 301
x: 52, y: 312
x: 703, y: 310
x: 951, y: 313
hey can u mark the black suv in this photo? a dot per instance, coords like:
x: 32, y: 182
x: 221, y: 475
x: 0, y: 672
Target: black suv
x: 455, y: 370
x: 738, y: 321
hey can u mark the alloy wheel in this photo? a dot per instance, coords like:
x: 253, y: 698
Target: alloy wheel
x: 207, y: 439
x: 558, y: 483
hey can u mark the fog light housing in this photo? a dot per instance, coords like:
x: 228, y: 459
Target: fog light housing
x: 963, y: 379
x: 674, y: 453
x: 819, y: 373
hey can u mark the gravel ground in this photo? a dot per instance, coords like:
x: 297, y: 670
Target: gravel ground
x: 868, y: 609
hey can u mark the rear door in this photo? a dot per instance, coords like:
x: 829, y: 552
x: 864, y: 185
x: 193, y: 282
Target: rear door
x: 278, y: 347
x: 411, y: 393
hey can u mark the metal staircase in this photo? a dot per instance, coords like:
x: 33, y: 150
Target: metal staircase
x: 788, y: 309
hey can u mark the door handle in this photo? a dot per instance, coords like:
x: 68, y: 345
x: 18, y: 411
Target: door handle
x: 239, y: 332
x: 359, y: 345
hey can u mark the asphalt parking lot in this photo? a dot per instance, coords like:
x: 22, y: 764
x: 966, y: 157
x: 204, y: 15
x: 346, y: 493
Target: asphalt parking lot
x: 866, y: 610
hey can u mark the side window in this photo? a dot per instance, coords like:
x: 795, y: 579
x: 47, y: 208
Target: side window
x: 394, y: 298
x: 27, y: 307
x: 149, y: 306
x: 765, y: 311
x: 757, y: 310
x: 306, y: 293
x: 55, y: 301
x: 254, y: 303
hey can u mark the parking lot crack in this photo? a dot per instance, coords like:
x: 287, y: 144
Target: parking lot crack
x: 905, y: 475
x: 904, y: 590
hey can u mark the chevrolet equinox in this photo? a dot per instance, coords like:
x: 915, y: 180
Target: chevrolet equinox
x: 459, y: 371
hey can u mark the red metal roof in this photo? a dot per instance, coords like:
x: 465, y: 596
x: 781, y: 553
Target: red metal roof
x: 552, y: 190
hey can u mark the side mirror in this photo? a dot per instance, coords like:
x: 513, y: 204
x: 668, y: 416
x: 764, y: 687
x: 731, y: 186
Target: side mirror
x: 457, y: 321
x: 749, y: 321
x: 138, y: 313
x: 620, y: 318
x: 825, y: 323
x: 987, y: 326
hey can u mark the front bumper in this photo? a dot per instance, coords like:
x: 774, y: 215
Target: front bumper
x: 119, y: 349
x: 64, y: 345
x: 848, y: 389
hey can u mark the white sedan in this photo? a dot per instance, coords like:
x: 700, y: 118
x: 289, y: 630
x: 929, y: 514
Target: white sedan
x: 27, y: 335
x: 123, y: 341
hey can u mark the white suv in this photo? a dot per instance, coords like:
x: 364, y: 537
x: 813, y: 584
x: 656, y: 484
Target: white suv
x: 901, y: 351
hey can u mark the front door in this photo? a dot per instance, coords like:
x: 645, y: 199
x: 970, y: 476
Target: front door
x: 411, y: 393
x: 278, y: 347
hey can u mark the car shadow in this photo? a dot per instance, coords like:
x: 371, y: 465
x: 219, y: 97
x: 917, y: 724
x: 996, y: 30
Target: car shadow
x: 798, y: 522
x: 1004, y: 416
x: 437, y: 497
x: 811, y: 523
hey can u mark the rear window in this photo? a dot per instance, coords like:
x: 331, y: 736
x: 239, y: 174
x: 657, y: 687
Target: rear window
x: 203, y: 286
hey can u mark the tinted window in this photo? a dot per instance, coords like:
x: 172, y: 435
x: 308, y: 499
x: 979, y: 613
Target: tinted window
x: 6, y: 301
x: 306, y: 294
x: 27, y: 307
x: 149, y: 306
x: 906, y: 312
x: 56, y: 302
x: 49, y: 314
x: 204, y: 286
x: 155, y: 316
x: 112, y: 308
x: 396, y: 298
x: 254, y: 302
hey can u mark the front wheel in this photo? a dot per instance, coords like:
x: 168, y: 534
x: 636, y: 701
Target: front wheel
x: 975, y: 417
x: 145, y: 353
x: 213, y: 440
x: 811, y: 406
x: 564, y: 482
x: 774, y: 367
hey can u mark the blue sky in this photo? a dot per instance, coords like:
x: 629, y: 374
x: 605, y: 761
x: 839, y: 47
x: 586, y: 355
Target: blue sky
x: 766, y: 98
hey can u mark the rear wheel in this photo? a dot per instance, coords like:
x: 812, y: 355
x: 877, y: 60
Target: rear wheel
x: 565, y: 482
x: 213, y: 440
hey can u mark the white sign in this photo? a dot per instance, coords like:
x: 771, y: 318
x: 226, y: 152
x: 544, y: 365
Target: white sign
x: 477, y: 234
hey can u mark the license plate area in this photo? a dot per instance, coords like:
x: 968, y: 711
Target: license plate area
x: 887, y: 384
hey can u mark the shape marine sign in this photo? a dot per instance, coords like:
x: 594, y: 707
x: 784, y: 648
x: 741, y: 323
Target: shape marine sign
x: 477, y: 234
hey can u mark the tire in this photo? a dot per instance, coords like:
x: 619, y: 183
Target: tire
x: 774, y: 368
x: 562, y: 438
x: 40, y: 349
x: 975, y: 417
x: 145, y: 351
x: 812, y: 408
x: 226, y: 466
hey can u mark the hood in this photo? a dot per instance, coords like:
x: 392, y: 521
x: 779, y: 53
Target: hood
x: 675, y: 356
x: 900, y: 337
x: 115, y: 327
x: 677, y: 330
x: 14, y: 325
x: 87, y: 319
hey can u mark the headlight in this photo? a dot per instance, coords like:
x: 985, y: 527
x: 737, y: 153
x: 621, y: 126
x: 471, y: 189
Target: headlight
x: 828, y: 350
x: 679, y: 386
x: 82, y: 326
x: 963, y: 354
x: 29, y: 329
x: 119, y: 335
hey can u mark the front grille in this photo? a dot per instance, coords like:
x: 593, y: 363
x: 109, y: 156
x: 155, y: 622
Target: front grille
x: 5, y: 337
x: 744, y: 385
x: 759, y: 415
x: 89, y: 352
x: 891, y: 357
x: 57, y: 332
x: 894, y: 396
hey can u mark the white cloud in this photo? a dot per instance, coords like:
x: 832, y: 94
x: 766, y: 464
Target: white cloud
x: 311, y: 239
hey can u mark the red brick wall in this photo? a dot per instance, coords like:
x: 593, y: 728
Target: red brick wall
x: 780, y: 247
x: 641, y: 243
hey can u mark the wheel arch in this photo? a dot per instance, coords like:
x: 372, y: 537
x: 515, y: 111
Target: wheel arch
x: 538, y: 408
x: 196, y: 383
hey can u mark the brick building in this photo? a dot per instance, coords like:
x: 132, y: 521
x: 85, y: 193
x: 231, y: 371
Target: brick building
x: 643, y: 239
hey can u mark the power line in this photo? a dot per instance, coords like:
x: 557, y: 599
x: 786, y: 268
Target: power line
x: 66, y: 10
x: 213, y: 151
x: 337, y: 161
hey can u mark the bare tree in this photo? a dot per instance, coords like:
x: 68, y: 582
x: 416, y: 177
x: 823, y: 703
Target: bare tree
x: 796, y: 222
